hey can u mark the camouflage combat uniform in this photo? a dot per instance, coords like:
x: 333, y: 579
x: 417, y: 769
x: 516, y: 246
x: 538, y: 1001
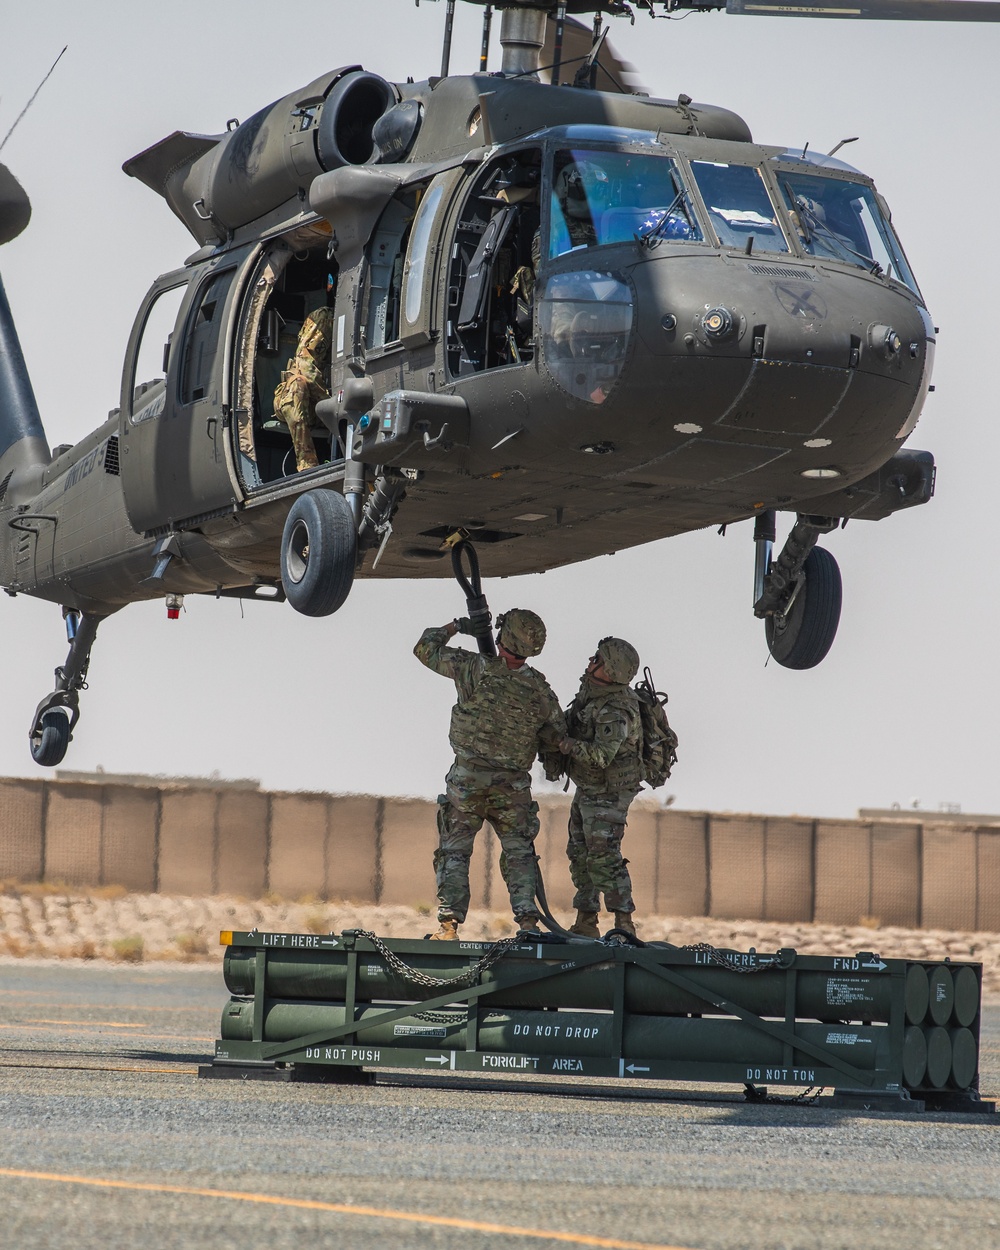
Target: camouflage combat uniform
x: 501, y: 716
x: 304, y: 383
x: 605, y: 762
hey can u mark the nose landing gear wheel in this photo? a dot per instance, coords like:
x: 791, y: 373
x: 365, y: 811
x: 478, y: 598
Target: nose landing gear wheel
x: 50, y: 740
x: 805, y: 633
x: 318, y: 552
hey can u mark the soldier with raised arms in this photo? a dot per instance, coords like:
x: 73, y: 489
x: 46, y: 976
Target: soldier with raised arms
x: 603, y: 756
x: 506, y: 712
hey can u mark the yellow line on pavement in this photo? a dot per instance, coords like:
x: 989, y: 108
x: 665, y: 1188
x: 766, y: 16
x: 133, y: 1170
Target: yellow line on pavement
x: 307, y: 1204
x: 83, y: 1024
x: 92, y: 1024
x: 90, y: 1067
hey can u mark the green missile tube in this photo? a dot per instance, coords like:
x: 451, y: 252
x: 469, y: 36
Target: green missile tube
x: 527, y: 1032
x: 582, y: 1034
x: 303, y: 975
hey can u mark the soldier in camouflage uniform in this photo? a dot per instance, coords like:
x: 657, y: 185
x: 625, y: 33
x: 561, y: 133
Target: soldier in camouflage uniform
x: 583, y: 191
x: 505, y: 711
x: 304, y: 383
x: 604, y: 759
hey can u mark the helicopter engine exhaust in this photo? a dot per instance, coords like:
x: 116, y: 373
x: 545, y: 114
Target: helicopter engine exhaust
x: 215, y: 184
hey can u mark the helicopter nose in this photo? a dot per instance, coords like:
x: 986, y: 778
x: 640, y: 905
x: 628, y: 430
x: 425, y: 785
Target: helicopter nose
x: 739, y: 363
x: 784, y: 313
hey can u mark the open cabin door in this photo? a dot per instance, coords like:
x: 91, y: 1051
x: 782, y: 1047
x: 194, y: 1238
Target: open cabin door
x: 175, y: 408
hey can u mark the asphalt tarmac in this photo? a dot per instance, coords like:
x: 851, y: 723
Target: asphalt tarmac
x: 108, y: 1139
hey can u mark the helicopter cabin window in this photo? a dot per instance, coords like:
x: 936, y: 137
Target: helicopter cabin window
x: 838, y: 219
x: 414, y: 271
x: 601, y: 197
x: 739, y: 206
x: 152, y: 356
x: 202, y: 344
x: 494, y: 260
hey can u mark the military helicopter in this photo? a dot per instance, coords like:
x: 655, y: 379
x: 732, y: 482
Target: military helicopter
x: 567, y: 319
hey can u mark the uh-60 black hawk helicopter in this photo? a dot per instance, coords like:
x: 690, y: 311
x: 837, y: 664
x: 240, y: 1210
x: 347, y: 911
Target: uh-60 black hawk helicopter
x: 566, y: 319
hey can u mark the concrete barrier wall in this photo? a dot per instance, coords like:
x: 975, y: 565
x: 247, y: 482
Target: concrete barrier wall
x: 237, y: 840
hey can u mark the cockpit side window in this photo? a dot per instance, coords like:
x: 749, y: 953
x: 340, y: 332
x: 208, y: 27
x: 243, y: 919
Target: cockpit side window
x: 739, y: 206
x: 415, y: 268
x: 385, y: 283
x: 838, y: 219
x: 601, y: 197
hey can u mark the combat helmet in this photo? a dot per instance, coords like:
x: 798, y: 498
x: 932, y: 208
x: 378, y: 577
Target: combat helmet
x: 620, y: 659
x: 521, y: 632
x: 582, y: 188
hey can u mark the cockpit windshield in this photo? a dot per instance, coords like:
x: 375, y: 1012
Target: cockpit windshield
x: 838, y: 219
x: 612, y: 197
x: 739, y: 206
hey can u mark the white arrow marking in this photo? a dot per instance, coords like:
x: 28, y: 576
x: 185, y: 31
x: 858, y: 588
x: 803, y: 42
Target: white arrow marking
x: 632, y: 1068
x: 435, y: 1058
x: 333, y: 943
x: 878, y: 965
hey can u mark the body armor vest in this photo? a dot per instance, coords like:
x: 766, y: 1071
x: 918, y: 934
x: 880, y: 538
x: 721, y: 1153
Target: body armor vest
x: 499, y: 722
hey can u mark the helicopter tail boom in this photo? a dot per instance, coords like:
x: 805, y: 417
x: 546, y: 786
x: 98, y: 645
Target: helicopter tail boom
x: 22, y: 439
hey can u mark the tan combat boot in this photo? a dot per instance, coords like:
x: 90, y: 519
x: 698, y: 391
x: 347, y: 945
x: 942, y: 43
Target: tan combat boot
x: 528, y: 924
x: 623, y: 920
x: 447, y: 933
x: 586, y: 925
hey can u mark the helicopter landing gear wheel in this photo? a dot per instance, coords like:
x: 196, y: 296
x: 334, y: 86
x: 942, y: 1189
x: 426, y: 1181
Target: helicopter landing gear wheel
x: 318, y: 552
x: 57, y: 715
x: 801, y: 637
x: 50, y: 740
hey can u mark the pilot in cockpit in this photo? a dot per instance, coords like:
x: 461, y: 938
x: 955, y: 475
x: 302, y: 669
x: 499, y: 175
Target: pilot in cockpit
x: 824, y: 231
x: 582, y: 192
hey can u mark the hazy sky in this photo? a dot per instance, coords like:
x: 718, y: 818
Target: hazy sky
x: 903, y: 708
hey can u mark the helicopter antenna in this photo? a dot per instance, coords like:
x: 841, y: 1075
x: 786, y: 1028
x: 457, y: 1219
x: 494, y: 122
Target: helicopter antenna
x: 557, y: 54
x: 586, y: 75
x: 600, y: 34
x: 484, y: 51
x: 32, y: 100
x: 449, y: 25
x: 833, y: 151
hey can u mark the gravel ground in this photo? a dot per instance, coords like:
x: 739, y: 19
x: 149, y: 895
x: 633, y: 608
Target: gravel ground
x: 97, y: 1080
x: 89, y: 924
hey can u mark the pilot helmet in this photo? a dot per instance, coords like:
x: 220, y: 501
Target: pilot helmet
x: 620, y: 659
x: 521, y: 632
x: 814, y: 209
x: 582, y: 188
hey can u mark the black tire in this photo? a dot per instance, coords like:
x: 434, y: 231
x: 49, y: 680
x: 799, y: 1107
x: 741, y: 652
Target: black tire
x: 804, y: 637
x: 318, y: 552
x: 48, y: 746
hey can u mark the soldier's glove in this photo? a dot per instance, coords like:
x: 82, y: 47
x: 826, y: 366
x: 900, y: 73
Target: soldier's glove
x: 553, y: 764
x: 462, y: 625
x: 566, y: 745
x: 479, y: 618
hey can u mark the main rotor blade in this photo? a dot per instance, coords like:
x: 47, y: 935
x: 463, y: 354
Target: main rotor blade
x: 878, y: 10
